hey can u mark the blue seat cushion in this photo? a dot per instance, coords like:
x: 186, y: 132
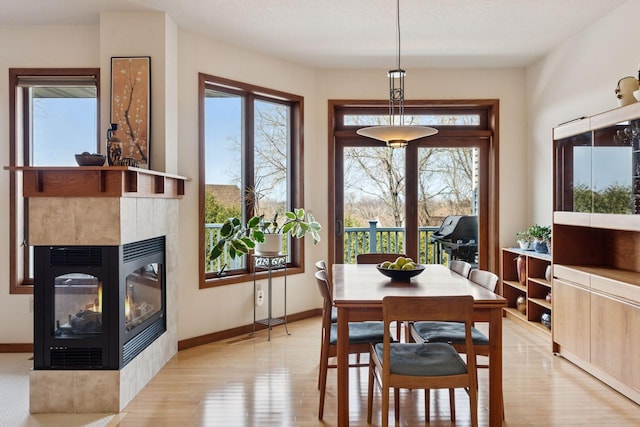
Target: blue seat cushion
x: 360, y: 333
x: 452, y: 332
x: 426, y: 359
x: 334, y: 314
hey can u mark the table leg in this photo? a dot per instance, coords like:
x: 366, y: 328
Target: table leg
x: 343, y: 368
x: 495, y: 368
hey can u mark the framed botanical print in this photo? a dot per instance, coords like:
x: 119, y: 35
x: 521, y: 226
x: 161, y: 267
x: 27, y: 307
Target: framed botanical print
x: 131, y: 107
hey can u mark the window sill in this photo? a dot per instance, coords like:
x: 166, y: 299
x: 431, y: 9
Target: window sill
x: 248, y: 277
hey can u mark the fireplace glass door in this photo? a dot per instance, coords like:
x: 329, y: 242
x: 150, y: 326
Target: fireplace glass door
x: 143, y: 296
x: 77, y: 305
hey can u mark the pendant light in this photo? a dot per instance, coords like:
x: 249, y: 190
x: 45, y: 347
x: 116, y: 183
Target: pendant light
x: 397, y: 135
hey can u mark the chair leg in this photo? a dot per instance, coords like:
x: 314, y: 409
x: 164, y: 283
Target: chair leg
x: 370, y: 391
x: 427, y: 404
x: 324, y: 366
x: 385, y: 405
x: 396, y: 404
x: 452, y: 403
x: 473, y: 402
x: 320, y: 364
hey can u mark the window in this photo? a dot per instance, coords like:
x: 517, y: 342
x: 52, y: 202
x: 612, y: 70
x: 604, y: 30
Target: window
x: 251, y: 164
x: 393, y: 200
x: 53, y: 116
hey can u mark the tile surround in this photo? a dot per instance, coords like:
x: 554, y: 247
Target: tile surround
x: 105, y: 221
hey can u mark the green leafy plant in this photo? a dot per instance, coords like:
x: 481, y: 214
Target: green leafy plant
x: 523, y: 235
x: 238, y: 239
x: 540, y: 232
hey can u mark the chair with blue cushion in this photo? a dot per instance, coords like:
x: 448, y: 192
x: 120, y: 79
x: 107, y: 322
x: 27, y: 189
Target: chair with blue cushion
x: 426, y: 365
x: 453, y: 332
x: 361, y: 335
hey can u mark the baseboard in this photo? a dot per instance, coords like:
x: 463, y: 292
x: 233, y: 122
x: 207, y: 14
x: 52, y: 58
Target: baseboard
x: 16, y: 348
x: 234, y: 332
x: 189, y: 342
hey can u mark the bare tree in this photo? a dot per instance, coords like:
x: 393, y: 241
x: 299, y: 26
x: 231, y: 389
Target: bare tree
x: 377, y: 173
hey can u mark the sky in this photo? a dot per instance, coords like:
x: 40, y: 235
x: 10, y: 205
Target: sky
x: 611, y: 165
x: 72, y: 120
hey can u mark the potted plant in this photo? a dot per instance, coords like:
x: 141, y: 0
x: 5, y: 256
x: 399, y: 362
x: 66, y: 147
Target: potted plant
x: 524, y: 239
x: 542, y: 236
x: 238, y: 239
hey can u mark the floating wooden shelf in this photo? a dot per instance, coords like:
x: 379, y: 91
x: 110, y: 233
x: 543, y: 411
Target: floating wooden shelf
x: 99, y: 181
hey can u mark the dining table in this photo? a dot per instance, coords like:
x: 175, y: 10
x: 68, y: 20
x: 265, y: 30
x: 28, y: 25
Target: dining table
x: 358, y: 290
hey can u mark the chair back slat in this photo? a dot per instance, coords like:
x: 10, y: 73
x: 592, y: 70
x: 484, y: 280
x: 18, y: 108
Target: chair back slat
x: 484, y: 278
x: 325, y: 289
x: 461, y: 267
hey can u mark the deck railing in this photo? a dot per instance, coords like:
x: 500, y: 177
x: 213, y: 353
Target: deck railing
x: 357, y: 240
x: 362, y: 240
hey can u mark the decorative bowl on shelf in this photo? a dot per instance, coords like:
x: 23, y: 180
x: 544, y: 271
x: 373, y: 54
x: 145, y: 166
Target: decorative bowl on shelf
x: 401, y: 275
x: 87, y: 159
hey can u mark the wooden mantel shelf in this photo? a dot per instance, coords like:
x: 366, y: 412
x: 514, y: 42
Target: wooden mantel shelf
x: 98, y: 181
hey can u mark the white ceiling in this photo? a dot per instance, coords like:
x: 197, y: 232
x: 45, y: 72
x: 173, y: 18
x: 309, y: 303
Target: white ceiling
x: 354, y: 33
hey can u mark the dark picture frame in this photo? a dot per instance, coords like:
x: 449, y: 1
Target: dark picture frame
x: 131, y: 107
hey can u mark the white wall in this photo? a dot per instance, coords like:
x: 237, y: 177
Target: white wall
x: 577, y: 79
x: 45, y: 46
x: 506, y: 85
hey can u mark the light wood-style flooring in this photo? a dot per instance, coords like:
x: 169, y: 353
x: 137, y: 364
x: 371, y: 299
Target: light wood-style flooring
x: 248, y: 381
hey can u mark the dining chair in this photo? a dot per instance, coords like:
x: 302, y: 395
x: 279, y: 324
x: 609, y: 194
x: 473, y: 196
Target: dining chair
x: 461, y: 267
x: 377, y: 258
x: 425, y: 365
x: 361, y: 335
x: 453, y: 332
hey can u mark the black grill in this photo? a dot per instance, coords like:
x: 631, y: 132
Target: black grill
x: 76, y: 358
x: 76, y: 256
x: 458, y: 236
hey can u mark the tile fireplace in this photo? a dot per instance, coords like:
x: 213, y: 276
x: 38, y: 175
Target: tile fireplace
x: 97, y: 307
x: 111, y: 323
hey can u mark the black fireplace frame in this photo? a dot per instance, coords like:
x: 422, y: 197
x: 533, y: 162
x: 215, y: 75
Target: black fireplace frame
x: 115, y: 346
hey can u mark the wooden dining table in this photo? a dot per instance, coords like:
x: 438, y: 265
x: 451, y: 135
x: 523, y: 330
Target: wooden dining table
x: 358, y: 290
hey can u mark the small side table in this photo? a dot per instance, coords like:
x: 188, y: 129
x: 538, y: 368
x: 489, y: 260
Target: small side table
x: 270, y: 262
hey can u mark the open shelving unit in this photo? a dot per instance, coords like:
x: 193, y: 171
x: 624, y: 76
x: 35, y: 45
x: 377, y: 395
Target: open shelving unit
x: 534, y: 289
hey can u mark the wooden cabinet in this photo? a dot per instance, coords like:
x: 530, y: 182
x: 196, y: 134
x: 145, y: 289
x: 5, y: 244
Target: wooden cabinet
x: 534, y: 289
x: 572, y: 318
x: 596, y: 246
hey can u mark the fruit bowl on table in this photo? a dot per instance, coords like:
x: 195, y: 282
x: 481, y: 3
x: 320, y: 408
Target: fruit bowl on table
x: 401, y: 275
x: 88, y: 159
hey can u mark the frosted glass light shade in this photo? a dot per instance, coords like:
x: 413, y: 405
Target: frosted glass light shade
x: 397, y: 136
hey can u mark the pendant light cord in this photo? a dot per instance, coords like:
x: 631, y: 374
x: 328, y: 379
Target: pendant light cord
x: 398, y: 32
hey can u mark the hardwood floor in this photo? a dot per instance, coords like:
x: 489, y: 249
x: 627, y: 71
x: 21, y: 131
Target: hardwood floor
x: 248, y: 381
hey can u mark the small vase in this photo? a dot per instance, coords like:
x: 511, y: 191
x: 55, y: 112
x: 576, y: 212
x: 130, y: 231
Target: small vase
x: 521, y: 304
x: 545, y: 319
x: 272, y: 245
x: 540, y: 246
x: 114, y: 146
x: 524, y: 244
x: 521, y: 268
